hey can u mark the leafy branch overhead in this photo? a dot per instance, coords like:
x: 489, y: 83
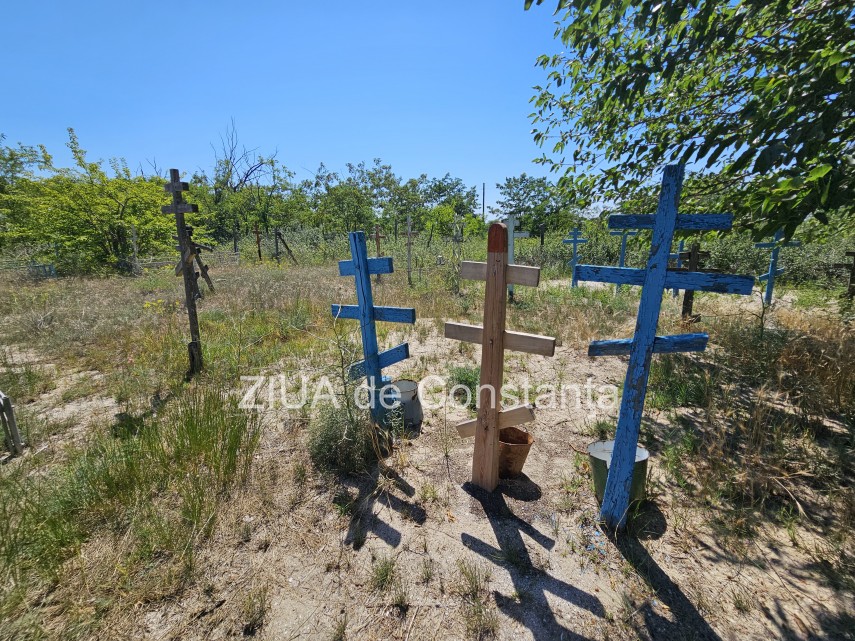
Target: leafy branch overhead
x: 760, y: 93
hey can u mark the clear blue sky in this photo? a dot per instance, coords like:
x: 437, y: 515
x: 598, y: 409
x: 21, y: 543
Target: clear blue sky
x: 429, y: 87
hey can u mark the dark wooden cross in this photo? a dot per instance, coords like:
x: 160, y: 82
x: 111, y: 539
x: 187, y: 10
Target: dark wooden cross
x: 692, y: 260
x: 850, y: 292
x: 179, y: 208
x: 192, y: 253
x: 377, y: 237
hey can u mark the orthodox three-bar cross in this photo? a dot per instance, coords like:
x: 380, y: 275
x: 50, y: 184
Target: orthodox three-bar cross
x: 576, y: 241
x: 850, y: 291
x: 624, y: 234
x: 185, y: 246
x: 644, y: 343
x: 773, y: 272
x: 494, y: 340
x: 511, y: 222
x: 361, y: 267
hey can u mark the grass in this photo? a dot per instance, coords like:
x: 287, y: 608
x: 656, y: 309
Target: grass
x: 469, y: 379
x: 479, y: 614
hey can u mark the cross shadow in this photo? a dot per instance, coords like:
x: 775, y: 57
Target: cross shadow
x: 371, y: 493
x: 530, y: 582
x: 688, y: 622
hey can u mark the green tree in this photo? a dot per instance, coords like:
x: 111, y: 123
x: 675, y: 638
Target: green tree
x: 760, y: 91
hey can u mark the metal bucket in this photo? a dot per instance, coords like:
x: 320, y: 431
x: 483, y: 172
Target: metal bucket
x: 407, y: 392
x: 514, y: 445
x: 600, y: 457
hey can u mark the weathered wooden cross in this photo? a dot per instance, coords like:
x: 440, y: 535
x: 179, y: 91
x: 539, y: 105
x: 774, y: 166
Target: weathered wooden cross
x: 10, y: 426
x: 693, y: 258
x: 511, y: 222
x: 190, y: 253
x: 576, y: 241
x: 773, y: 272
x: 179, y: 208
x: 679, y: 263
x: 494, y: 339
x: 361, y: 267
x: 624, y: 234
x: 850, y: 292
x: 410, y: 235
x: 644, y: 342
x: 377, y: 237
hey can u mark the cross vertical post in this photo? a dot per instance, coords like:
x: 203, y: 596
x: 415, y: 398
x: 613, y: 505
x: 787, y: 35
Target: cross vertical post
x: 644, y: 343
x: 575, y: 240
x: 361, y: 267
x: 850, y: 291
x: 494, y: 340
x: 179, y: 208
x: 624, y: 234
x: 693, y: 256
x: 773, y: 272
x: 10, y: 426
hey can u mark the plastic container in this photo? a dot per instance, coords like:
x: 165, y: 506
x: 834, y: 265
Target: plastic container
x: 600, y: 456
x: 514, y: 445
x: 407, y: 392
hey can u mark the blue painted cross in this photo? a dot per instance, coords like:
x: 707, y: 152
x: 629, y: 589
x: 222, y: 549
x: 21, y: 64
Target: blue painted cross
x: 645, y: 343
x: 676, y: 257
x: 623, y: 234
x: 361, y: 267
x: 576, y: 241
x: 770, y: 275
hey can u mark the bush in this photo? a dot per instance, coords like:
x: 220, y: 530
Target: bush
x: 343, y: 439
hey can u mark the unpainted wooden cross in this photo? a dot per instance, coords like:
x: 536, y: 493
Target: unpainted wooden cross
x: 679, y: 263
x: 644, y: 342
x: 776, y: 245
x: 494, y: 340
x: 850, y: 291
x: 178, y: 208
x: 693, y: 259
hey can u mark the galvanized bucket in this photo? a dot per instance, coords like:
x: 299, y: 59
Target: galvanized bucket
x: 407, y: 393
x: 600, y: 457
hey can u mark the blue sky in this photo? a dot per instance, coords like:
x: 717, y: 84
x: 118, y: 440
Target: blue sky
x: 428, y: 87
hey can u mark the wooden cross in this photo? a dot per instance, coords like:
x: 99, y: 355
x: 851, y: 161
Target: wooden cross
x: 280, y: 238
x: 494, y: 339
x: 377, y: 237
x: 850, y: 292
x: 10, y: 426
x: 361, y: 267
x: 511, y: 222
x: 410, y: 235
x: 644, y: 343
x: 694, y: 257
x: 191, y: 254
x: 624, y: 234
x: 773, y: 272
x: 576, y: 241
x: 679, y: 263
x: 179, y: 208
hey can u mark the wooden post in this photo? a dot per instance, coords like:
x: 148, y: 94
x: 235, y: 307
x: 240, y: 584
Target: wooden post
x: 360, y: 266
x: 693, y: 256
x: 644, y: 342
x: 575, y: 240
x: 288, y: 251
x: 179, y: 208
x: 377, y: 237
x: 235, y: 238
x: 276, y: 244
x: 542, y: 234
x: 410, y: 235
x: 258, y: 240
x: 850, y: 291
x: 773, y: 272
x: 494, y: 339
x: 10, y: 426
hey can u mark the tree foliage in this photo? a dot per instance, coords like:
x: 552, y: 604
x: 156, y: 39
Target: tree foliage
x: 760, y: 92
